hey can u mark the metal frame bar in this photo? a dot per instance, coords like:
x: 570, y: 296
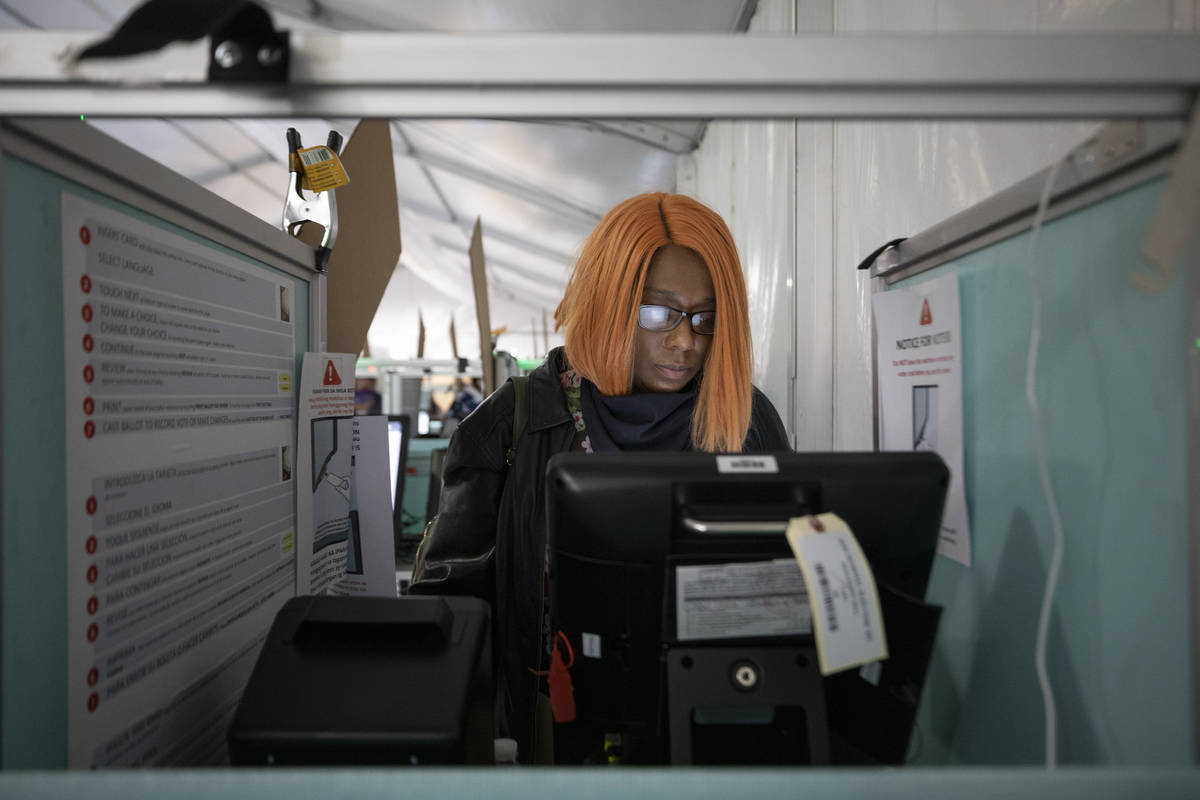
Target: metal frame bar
x: 416, y: 367
x: 552, y: 284
x: 1191, y: 289
x: 538, y: 196
x: 652, y: 133
x: 3, y: 365
x: 443, y: 216
x: 627, y: 76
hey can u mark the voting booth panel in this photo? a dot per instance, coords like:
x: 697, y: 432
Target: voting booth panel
x: 1111, y: 382
x: 148, y: 450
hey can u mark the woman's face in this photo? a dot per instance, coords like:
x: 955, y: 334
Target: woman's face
x: 666, y: 361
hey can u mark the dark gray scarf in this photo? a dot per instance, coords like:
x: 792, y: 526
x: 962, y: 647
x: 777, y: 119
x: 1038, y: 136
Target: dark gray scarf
x: 650, y: 421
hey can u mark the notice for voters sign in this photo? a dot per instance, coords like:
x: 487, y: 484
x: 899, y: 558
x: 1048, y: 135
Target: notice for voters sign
x: 919, y: 368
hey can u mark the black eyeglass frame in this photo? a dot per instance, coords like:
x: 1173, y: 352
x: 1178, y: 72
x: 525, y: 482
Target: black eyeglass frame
x: 690, y: 316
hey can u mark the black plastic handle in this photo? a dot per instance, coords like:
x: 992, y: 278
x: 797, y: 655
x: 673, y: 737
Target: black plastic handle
x: 334, y: 142
x: 407, y: 616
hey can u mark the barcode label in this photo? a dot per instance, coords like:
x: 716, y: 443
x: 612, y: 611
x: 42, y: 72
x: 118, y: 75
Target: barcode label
x: 322, y: 169
x: 826, y: 595
x: 315, y: 155
x: 847, y: 619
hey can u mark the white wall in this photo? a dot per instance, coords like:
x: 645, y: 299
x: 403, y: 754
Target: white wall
x: 855, y: 185
x: 746, y: 172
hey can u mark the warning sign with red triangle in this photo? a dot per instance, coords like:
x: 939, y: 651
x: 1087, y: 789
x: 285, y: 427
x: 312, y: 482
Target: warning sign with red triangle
x: 333, y: 379
x: 926, y: 316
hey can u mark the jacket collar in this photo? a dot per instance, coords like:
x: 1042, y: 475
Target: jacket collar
x: 548, y: 404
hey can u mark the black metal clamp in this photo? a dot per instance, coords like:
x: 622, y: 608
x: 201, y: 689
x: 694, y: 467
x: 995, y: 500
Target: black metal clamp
x: 244, y: 44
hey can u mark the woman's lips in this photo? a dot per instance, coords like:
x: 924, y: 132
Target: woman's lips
x: 673, y: 371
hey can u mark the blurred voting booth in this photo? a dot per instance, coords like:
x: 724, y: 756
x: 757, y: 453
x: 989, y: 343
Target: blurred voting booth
x: 1113, y: 317
x: 180, y: 546
x: 149, y: 457
x: 162, y: 331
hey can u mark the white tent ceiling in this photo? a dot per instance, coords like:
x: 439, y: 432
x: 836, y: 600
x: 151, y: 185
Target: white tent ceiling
x: 539, y: 188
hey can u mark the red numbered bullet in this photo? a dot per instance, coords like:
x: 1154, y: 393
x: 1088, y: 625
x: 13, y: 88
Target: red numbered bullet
x: 93, y: 604
x: 91, y: 505
x: 87, y: 311
x: 89, y: 405
x: 89, y: 374
x: 93, y: 632
x: 89, y: 429
x: 92, y: 574
x: 85, y: 235
x: 85, y: 283
x: 91, y: 545
x: 93, y: 702
x: 93, y: 676
x: 88, y: 343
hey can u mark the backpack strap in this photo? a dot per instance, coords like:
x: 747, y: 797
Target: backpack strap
x: 520, y: 414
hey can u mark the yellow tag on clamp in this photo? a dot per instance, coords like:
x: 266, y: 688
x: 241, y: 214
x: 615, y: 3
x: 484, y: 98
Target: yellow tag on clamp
x: 322, y: 168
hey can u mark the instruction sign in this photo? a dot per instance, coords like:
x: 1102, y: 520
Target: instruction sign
x: 344, y: 508
x: 920, y: 389
x: 180, y: 503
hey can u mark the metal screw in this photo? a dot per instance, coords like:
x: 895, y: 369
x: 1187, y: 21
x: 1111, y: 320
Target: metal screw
x: 268, y: 56
x: 228, y: 54
x: 746, y: 676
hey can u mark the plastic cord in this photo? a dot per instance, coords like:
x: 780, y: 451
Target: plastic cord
x: 1056, y: 557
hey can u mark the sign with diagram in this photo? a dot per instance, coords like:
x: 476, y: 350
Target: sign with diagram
x: 919, y: 368
x: 344, y: 504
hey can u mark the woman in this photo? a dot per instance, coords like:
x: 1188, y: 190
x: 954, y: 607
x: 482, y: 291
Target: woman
x: 657, y: 357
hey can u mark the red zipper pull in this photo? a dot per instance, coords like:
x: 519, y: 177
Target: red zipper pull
x: 562, y: 691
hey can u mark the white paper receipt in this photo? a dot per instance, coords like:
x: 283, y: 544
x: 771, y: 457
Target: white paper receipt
x: 722, y: 601
x: 591, y: 645
x: 841, y: 589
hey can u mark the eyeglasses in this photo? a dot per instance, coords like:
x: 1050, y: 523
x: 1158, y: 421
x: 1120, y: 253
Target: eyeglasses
x: 661, y: 319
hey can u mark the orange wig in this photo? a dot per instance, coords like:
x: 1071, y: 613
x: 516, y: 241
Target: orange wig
x: 598, y: 312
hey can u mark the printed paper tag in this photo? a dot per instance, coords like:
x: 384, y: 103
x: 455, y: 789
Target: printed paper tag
x: 323, y: 170
x: 841, y: 591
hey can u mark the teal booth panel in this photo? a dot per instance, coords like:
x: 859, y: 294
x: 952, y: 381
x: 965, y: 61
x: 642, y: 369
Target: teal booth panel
x: 600, y: 784
x: 32, y: 627
x: 1111, y: 385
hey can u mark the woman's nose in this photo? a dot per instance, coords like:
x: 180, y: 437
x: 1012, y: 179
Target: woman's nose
x: 682, y: 337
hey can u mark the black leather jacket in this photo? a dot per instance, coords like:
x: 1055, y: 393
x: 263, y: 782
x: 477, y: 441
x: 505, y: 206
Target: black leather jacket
x: 489, y: 538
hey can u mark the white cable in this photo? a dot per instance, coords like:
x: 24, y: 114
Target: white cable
x: 1035, y: 334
